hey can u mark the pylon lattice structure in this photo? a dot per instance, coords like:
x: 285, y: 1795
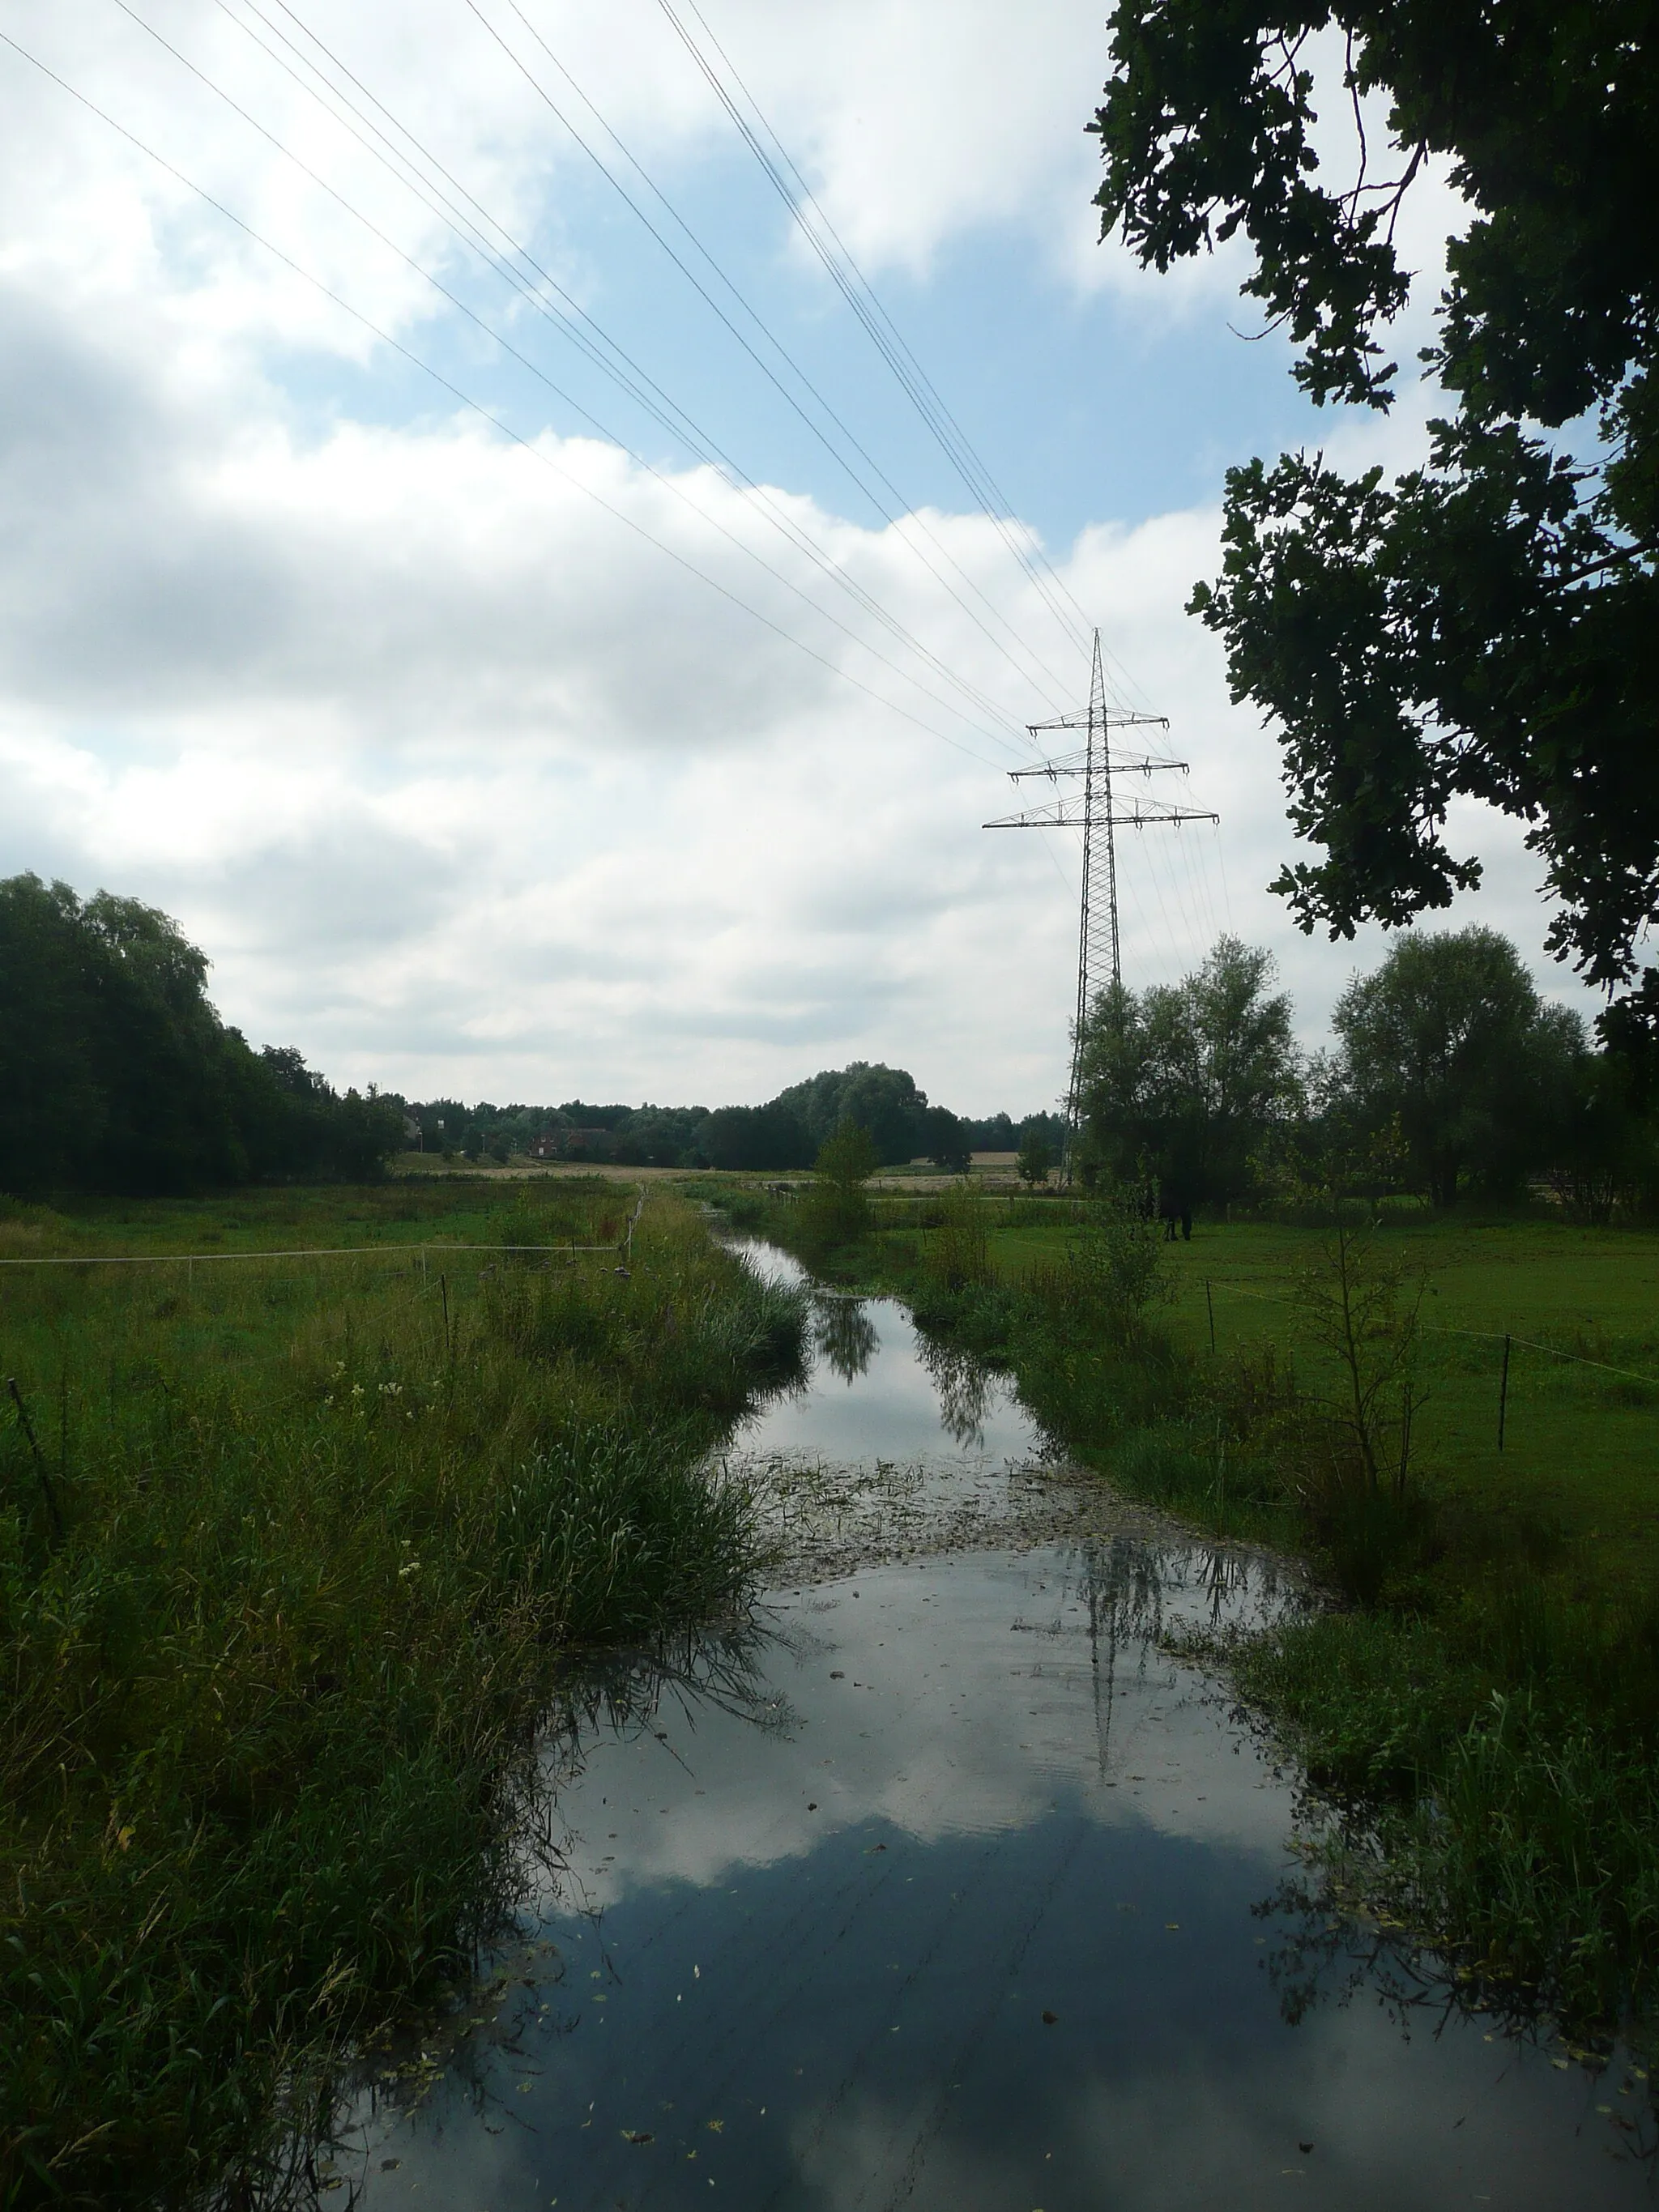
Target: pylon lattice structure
x: 1099, y: 812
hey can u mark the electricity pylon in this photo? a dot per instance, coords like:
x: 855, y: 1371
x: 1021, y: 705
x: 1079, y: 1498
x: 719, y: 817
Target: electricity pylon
x: 1098, y: 813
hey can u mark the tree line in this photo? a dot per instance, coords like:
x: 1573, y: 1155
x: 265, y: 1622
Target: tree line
x: 786, y: 1131
x: 117, y: 1075
x: 1447, y: 1076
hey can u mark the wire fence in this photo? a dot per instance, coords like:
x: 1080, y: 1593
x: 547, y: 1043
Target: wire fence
x: 1446, y: 1328
x: 622, y: 1246
x: 423, y: 1251
x: 1507, y: 1337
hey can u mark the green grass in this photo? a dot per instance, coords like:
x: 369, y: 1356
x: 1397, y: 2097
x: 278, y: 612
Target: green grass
x: 1484, y: 1699
x: 330, y: 1531
x: 1580, y: 1464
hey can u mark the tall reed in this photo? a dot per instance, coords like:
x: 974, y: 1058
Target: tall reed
x: 332, y: 1531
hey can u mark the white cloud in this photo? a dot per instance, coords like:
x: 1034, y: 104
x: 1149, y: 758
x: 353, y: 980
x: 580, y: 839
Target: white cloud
x: 465, y: 783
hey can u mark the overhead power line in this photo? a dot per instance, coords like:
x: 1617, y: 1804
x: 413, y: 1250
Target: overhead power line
x: 899, y: 515
x: 779, y: 168
x: 800, y: 540
x: 467, y: 401
x: 574, y: 324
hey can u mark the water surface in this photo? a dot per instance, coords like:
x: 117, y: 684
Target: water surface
x: 950, y: 1889
x: 875, y: 1389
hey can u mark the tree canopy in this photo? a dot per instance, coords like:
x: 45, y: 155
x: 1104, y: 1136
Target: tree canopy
x: 1486, y: 625
x: 1449, y: 1040
x: 116, y: 1074
x: 1449, y: 1073
x: 1184, y: 1082
x: 736, y: 1137
x: 883, y: 1100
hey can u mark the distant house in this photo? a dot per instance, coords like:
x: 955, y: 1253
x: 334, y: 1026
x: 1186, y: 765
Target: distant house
x: 574, y: 1145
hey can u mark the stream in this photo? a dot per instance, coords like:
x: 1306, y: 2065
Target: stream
x: 944, y: 1885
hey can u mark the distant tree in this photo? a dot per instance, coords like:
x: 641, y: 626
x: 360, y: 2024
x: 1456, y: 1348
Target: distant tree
x: 847, y: 1159
x: 1606, y: 1153
x: 442, y: 1121
x: 295, y: 1126
x: 737, y: 1137
x: 1186, y: 1082
x: 884, y: 1101
x: 665, y: 1136
x: 946, y: 1140
x: 1035, y: 1157
x: 996, y: 1133
x: 355, y: 1137
x: 1450, y: 1039
x: 837, y: 1208
x: 53, y: 1106
x: 288, y: 1073
x: 117, y: 1074
x: 581, y: 1116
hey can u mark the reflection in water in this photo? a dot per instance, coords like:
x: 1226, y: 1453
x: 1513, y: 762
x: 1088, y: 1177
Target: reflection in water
x: 966, y: 1389
x: 951, y: 1889
x: 880, y: 1392
x: 843, y: 1334
x: 694, y: 1671
x: 1324, y: 1958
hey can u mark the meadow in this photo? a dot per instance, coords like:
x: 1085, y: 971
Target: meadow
x: 1579, y: 1464
x: 295, y: 1552
x: 1477, y: 1698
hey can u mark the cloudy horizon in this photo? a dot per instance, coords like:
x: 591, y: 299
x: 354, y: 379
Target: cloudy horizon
x: 520, y: 753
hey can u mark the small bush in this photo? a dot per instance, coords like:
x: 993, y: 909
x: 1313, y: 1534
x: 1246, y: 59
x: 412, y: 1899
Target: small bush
x: 958, y: 1251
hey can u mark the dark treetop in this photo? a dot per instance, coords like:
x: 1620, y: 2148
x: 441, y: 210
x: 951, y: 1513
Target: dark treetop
x: 1486, y: 625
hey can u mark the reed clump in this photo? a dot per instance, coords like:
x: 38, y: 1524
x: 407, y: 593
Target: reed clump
x: 329, y: 1535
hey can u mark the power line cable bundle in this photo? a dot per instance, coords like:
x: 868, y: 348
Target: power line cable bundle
x: 342, y: 93
x: 474, y: 406
x: 599, y: 349
x: 850, y: 281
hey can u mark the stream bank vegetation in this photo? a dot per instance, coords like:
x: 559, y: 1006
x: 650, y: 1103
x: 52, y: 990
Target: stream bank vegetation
x: 294, y: 1554
x: 1387, y: 1350
x: 1483, y: 1700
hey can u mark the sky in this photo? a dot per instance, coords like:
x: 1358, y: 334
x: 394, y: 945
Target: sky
x: 500, y: 732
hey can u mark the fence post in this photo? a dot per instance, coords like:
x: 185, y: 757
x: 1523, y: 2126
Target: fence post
x: 1209, y: 1307
x: 1504, y: 1393
x: 28, y: 1427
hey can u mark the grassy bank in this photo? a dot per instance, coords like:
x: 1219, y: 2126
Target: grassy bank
x: 1485, y: 1697
x: 287, y: 1574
